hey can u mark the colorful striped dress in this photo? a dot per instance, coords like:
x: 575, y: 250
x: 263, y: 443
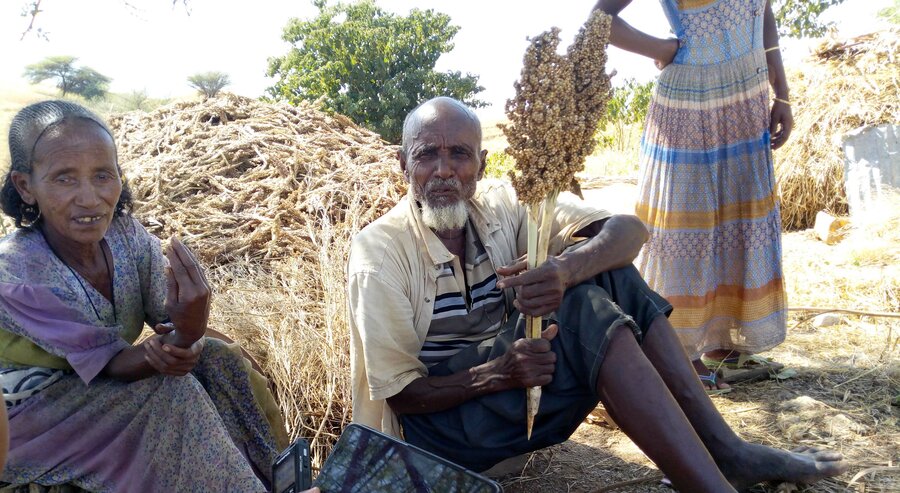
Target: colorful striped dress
x: 707, y: 186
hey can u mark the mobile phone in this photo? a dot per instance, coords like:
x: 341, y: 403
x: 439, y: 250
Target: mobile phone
x: 367, y: 461
x: 291, y: 471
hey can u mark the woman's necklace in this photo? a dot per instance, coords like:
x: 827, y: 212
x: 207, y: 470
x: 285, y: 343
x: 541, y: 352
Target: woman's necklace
x: 112, y: 288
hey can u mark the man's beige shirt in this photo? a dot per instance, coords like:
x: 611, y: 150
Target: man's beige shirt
x: 392, y: 274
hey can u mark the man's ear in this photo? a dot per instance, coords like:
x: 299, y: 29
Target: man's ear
x: 22, y: 182
x: 401, y: 156
x: 482, y: 166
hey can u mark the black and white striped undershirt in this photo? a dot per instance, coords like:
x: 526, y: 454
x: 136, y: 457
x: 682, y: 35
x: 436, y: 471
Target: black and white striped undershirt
x: 468, y: 307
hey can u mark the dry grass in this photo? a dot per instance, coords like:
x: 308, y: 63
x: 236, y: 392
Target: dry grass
x: 846, y: 84
x: 269, y: 197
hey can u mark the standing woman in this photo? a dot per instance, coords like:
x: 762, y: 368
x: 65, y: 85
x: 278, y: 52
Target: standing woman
x: 707, y: 188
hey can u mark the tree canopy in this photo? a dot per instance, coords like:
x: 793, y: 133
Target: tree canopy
x: 628, y: 105
x: 209, y: 83
x: 370, y: 65
x: 891, y: 13
x: 70, y: 78
x: 800, y: 18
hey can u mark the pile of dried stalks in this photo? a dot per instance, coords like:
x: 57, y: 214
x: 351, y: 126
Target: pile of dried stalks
x: 844, y: 85
x: 269, y: 197
x: 240, y: 179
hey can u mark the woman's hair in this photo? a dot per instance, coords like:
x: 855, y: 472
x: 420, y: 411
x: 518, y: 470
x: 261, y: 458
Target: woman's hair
x: 26, y: 129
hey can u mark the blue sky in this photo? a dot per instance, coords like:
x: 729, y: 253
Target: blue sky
x: 153, y: 45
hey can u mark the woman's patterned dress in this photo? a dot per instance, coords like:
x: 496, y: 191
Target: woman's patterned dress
x: 199, y: 432
x: 707, y: 186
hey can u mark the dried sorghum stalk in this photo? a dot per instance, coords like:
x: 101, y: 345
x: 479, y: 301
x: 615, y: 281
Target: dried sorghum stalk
x: 558, y: 104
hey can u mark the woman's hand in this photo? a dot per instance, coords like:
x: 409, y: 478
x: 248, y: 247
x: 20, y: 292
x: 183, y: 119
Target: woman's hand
x: 188, y: 297
x: 168, y: 359
x: 668, y: 49
x: 780, y: 124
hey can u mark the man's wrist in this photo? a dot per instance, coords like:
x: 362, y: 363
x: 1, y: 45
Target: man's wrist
x: 567, y: 262
x: 485, y: 379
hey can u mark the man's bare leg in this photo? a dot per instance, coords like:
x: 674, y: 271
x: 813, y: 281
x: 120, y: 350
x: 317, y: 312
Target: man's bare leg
x: 743, y: 463
x: 633, y: 392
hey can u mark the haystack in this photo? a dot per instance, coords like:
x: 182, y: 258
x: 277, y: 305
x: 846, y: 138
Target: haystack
x: 240, y: 179
x: 268, y: 196
x: 845, y: 84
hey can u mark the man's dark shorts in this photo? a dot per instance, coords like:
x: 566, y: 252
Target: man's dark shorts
x: 484, y: 431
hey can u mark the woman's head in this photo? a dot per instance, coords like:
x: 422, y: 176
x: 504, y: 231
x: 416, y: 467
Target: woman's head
x: 63, y: 172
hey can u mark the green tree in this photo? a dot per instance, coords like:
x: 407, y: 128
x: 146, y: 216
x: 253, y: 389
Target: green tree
x: 370, y: 65
x: 90, y: 83
x: 800, y: 18
x: 137, y: 100
x: 84, y: 81
x: 628, y: 106
x: 892, y: 13
x: 61, y: 68
x: 209, y: 83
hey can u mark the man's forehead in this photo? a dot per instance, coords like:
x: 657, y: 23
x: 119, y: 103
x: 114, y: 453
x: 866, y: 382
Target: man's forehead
x: 445, y: 126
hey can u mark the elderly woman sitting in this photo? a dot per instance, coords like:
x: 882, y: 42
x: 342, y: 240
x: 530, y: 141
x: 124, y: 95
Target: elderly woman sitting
x: 79, y: 278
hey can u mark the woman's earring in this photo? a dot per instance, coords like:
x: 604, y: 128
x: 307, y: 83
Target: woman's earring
x: 29, y: 210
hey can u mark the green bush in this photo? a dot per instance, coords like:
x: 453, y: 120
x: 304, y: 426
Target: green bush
x: 627, y: 109
x: 499, y: 164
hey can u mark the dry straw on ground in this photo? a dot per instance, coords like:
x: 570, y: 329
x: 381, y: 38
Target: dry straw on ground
x: 844, y: 85
x: 269, y: 197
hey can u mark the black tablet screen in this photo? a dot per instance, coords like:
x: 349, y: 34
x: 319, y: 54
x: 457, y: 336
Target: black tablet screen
x: 365, y: 461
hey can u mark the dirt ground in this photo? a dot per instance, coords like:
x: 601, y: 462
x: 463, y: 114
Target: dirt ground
x: 843, y: 396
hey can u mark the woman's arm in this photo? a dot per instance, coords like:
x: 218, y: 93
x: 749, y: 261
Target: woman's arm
x: 623, y: 36
x: 156, y: 355
x: 782, y: 120
x: 176, y: 348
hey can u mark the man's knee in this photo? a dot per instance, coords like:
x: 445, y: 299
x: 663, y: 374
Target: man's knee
x: 587, y: 304
x: 628, y: 290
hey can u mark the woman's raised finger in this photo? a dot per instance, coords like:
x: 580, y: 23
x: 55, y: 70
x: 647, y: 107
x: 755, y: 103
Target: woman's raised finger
x: 189, y: 261
x: 179, y: 271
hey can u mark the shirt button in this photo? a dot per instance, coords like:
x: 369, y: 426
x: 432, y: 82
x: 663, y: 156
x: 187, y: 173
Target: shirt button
x: 427, y: 300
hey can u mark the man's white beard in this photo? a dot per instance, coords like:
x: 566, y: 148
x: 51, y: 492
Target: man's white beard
x: 445, y: 218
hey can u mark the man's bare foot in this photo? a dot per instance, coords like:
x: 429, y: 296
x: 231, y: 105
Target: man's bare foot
x: 754, y: 463
x: 709, y: 380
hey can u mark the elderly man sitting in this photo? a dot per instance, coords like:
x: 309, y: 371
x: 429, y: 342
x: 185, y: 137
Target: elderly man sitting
x: 437, y: 287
